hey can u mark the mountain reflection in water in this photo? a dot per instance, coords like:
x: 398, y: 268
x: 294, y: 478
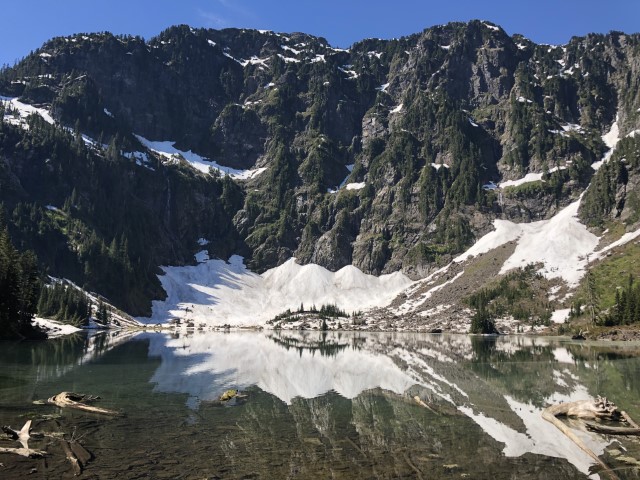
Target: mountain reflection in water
x: 338, y: 404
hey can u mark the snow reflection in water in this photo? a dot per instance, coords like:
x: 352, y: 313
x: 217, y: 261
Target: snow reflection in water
x: 336, y: 404
x: 466, y: 372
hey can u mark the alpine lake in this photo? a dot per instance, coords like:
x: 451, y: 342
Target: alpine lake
x: 316, y: 405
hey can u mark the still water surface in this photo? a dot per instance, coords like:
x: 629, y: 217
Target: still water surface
x: 333, y: 405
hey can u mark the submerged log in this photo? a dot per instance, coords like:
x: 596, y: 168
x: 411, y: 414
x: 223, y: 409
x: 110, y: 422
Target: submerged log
x: 71, y: 457
x: 75, y: 401
x: 584, y: 409
x: 420, y: 402
x: 601, y: 408
x: 609, y: 430
x: 24, y: 452
x: 230, y: 394
x: 22, y: 436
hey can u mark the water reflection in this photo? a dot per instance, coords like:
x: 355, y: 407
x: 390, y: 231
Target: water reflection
x: 335, y: 403
x: 500, y: 383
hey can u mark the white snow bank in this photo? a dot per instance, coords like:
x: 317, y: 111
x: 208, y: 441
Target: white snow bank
x: 170, y: 152
x: 626, y: 238
x: 528, y: 178
x: 561, y: 244
x: 218, y: 293
x: 505, y: 231
x: 24, y: 110
x: 355, y: 186
x: 610, y: 139
x: 397, y: 109
x: 560, y: 316
x: 55, y: 328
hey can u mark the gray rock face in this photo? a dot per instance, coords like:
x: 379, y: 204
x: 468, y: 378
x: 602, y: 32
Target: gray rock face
x: 423, y: 122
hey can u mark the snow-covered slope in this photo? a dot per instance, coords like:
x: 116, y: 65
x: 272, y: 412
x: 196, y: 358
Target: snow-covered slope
x: 562, y: 246
x: 216, y: 292
x: 170, y: 152
x: 21, y: 111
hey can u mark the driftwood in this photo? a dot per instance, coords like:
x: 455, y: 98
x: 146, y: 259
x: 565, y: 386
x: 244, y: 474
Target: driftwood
x: 420, y: 402
x: 596, y: 427
x: 232, y: 393
x: 601, y: 408
x: 75, y: 401
x: 24, y: 452
x: 22, y: 436
x: 73, y: 460
x: 629, y: 420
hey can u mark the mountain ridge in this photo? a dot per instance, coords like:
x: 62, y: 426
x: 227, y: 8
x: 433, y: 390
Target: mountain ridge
x: 415, y: 130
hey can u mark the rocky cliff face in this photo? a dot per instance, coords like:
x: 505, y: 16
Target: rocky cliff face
x: 380, y: 156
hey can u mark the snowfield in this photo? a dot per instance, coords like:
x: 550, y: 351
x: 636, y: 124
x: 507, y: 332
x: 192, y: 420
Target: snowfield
x: 168, y: 150
x: 561, y: 243
x: 23, y: 111
x: 215, y: 292
x: 54, y: 328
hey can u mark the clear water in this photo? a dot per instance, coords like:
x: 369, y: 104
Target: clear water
x: 337, y: 405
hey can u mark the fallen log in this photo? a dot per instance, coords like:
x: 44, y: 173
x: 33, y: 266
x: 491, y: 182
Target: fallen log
x: 24, y: 452
x: 22, y: 436
x: 629, y: 420
x: 584, y: 409
x: 420, y: 402
x: 75, y: 401
x: 71, y: 457
x: 609, y: 430
x: 80, y: 452
x: 601, y: 408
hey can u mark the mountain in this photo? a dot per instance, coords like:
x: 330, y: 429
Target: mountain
x: 393, y: 155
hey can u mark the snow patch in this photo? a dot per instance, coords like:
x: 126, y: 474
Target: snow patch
x: 529, y: 177
x: 626, y: 238
x: 288, y: 59
x: 610, y: 139
x: 561, y: 244
x: 216, y: 292
x: 23, y: 112
x: 397, y: 109
x: 560, y: 316
x: 167, y: 150
x: 355, y: 186
x: 437, y: 166
x: 347, y: 69
x: 54, y: 328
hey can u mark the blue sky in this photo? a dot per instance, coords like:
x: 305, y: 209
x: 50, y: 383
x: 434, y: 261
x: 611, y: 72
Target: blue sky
x: 26, y: 24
